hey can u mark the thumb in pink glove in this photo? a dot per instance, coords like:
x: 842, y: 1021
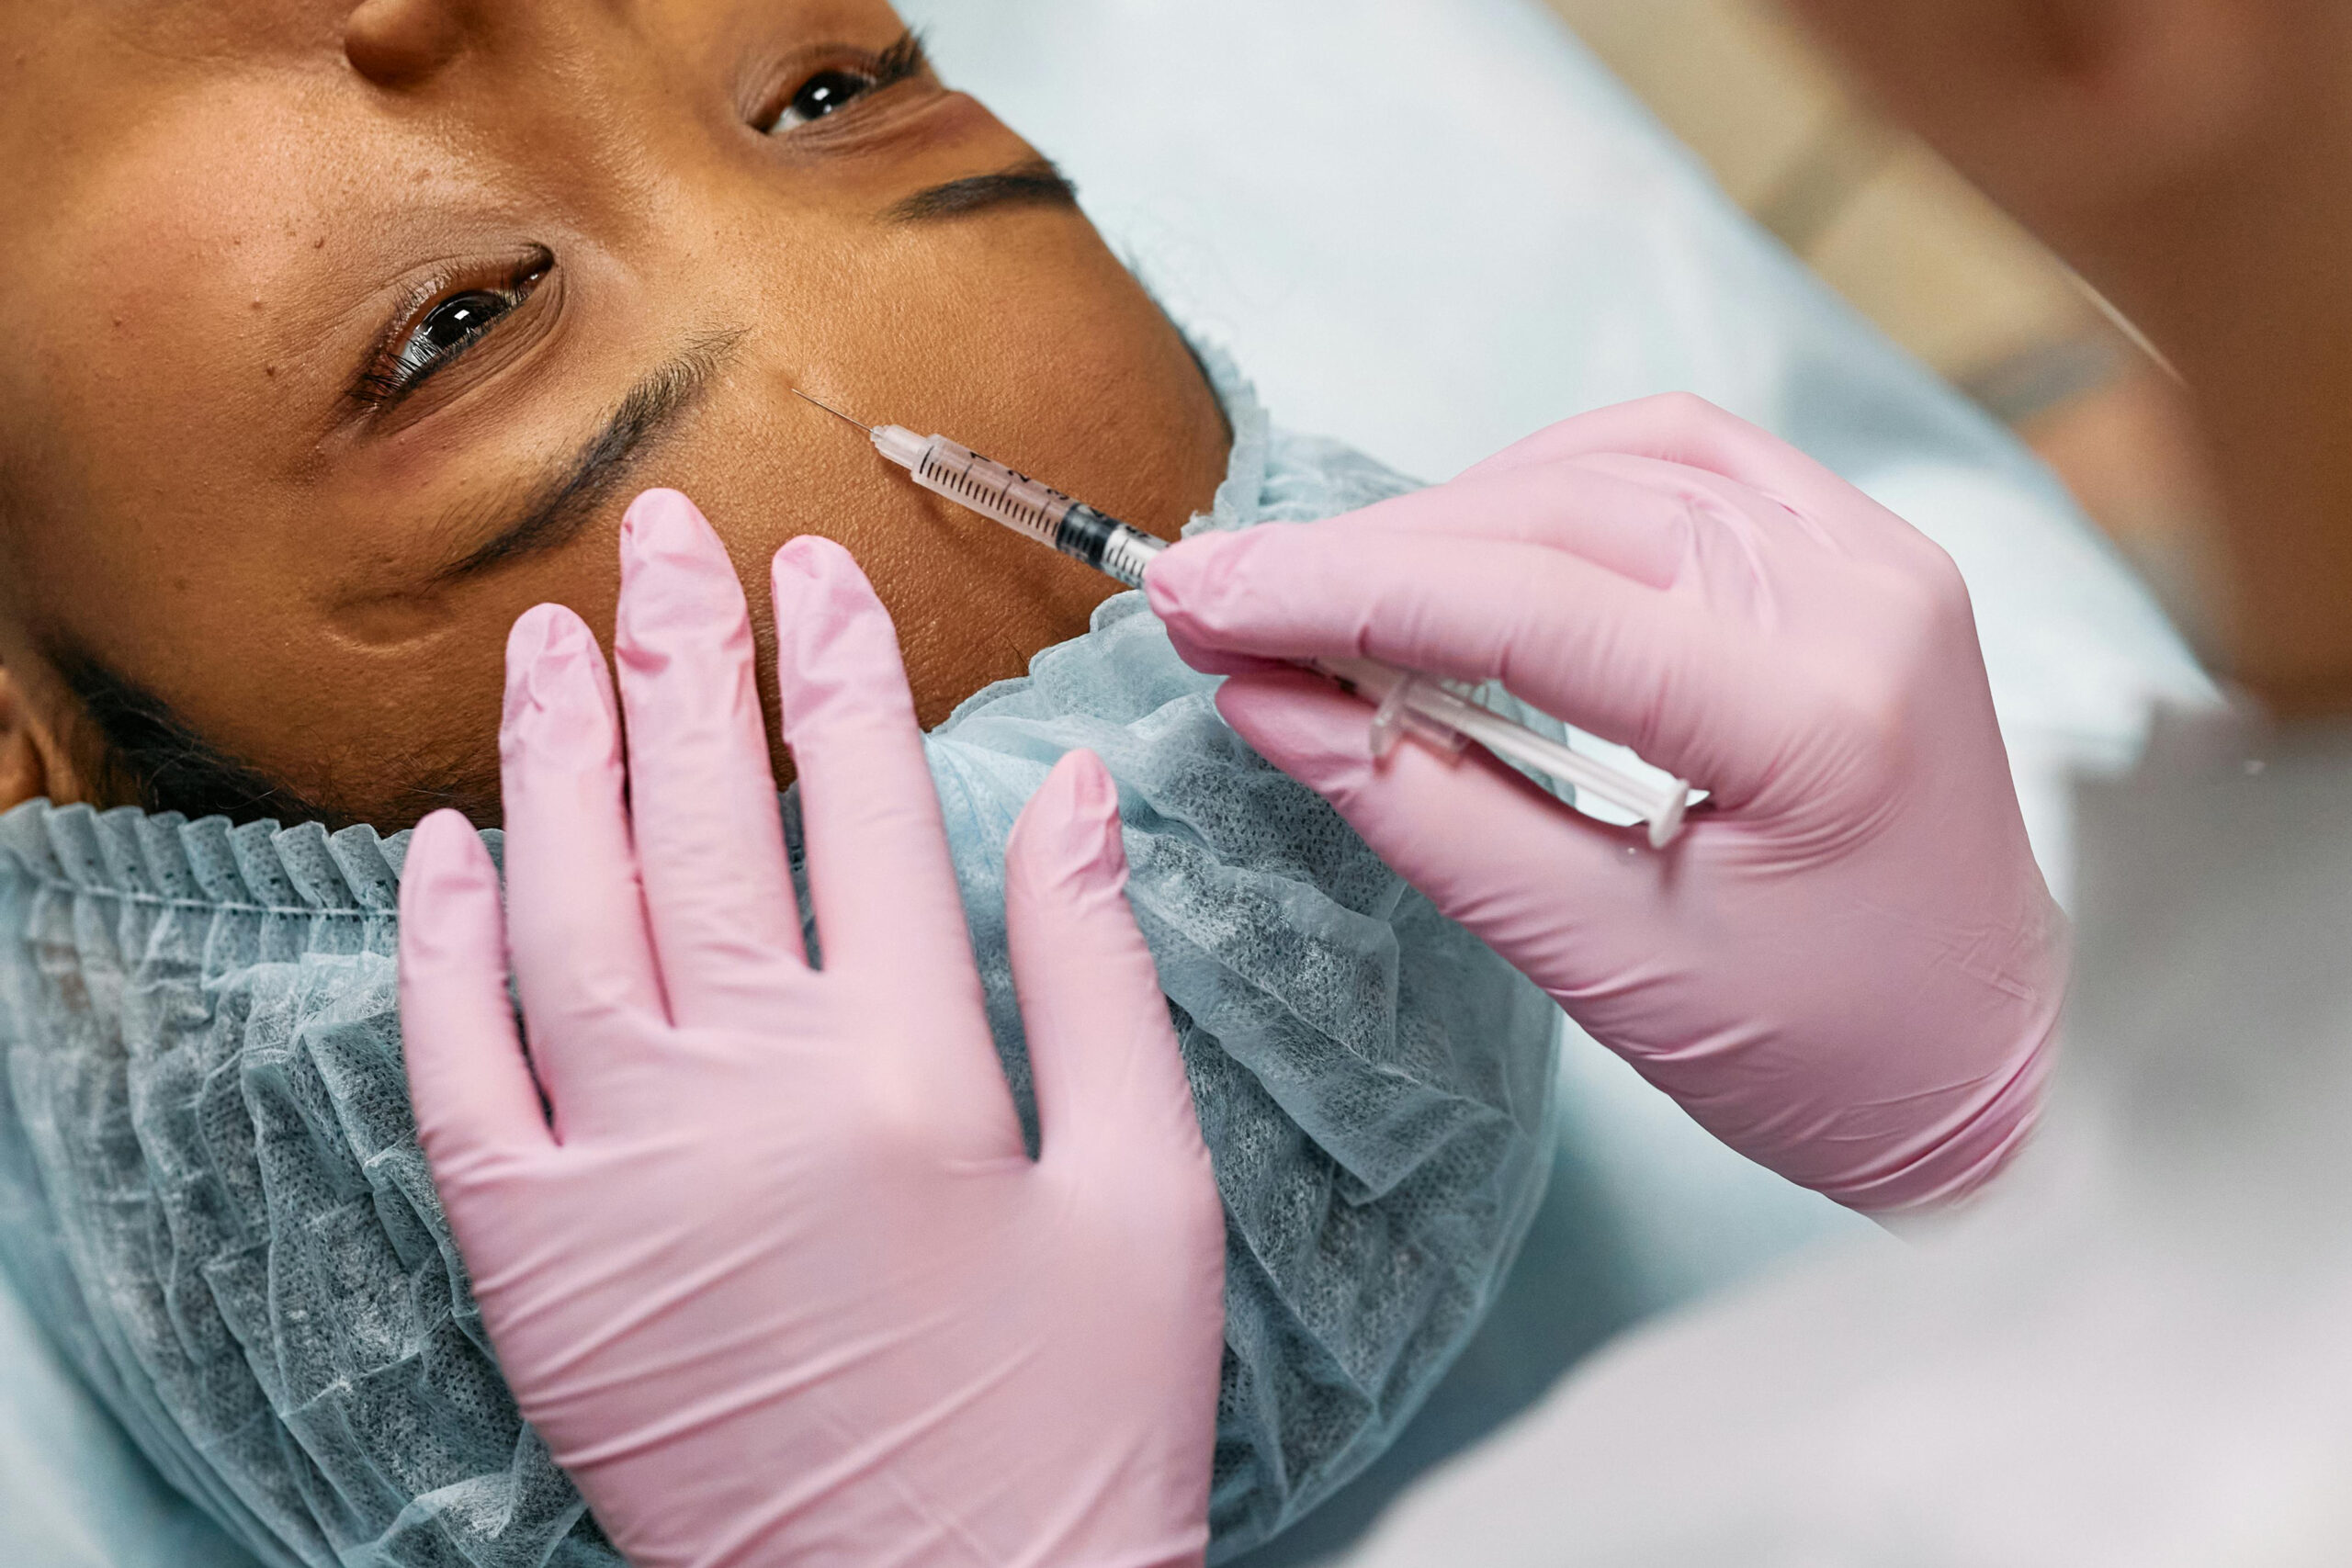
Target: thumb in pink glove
x: 1849, y: 969
x: 773, y: 1273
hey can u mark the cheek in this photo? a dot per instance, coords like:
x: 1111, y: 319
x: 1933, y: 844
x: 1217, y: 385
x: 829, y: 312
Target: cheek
x: 972, y: 603
x: 385, y: 733
x: 386, y: 741
x: 1017, y: 332
x: 1038, y: 347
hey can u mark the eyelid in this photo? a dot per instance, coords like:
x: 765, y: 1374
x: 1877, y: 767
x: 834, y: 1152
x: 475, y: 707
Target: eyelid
x: 904, y: 61
x: 383, y: 382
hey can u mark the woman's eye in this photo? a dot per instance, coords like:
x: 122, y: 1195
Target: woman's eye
x: 459, y: 322
x: 826, y: 93
x: 448, y: 329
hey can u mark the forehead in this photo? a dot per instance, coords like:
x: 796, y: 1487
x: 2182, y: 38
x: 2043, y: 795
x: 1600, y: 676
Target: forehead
x: 82, y: 76
x: 75, y: 48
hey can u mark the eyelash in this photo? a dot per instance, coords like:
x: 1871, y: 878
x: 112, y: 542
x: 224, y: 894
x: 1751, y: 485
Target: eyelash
x: 411, y: 356
x: 903, y: 61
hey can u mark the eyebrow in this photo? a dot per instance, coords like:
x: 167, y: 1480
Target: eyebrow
x: 1038, y: 183
x: 163, y: 763
x: 554, y: 513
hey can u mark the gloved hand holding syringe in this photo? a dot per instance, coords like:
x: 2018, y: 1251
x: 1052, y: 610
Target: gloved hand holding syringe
x: 1403, y: 702
x: 1664, y: 576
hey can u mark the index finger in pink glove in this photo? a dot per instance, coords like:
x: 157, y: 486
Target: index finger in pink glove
x: 879, y: 873
x: 1653, y: 524
x: 881, y: 880
x: 1661, y: 673
x: 702, y: 799
x: 583, y: 963
x: 1624, y: 522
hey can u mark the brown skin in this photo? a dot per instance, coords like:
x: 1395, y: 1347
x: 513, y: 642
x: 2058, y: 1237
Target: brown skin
x: 2192, y: 159
x: 218, y: 207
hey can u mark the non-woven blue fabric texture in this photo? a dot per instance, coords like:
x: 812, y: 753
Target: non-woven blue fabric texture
x: 212, y: 1199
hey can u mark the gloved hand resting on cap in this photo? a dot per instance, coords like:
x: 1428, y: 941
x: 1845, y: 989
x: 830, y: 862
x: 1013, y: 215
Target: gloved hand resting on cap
x: 773, y: 1273
x: 1849, y: 967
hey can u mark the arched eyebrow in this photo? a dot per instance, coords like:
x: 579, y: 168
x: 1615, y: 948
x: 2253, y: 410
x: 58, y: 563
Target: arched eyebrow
x: 1038, y: 183
x: 551, y: 514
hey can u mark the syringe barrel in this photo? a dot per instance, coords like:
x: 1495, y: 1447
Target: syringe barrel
x: 965, y: 478
x: 1021, y: 504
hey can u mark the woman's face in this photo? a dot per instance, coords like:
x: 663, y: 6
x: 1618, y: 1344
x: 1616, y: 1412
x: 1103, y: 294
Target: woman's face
x: 330, y: 341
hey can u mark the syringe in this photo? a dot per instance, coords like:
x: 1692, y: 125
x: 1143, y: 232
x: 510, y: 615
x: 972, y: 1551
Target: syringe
x: 1403, y: 702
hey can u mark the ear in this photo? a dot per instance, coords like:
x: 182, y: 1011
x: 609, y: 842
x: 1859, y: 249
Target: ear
x: 2063, y: 107
x: 27, y: 746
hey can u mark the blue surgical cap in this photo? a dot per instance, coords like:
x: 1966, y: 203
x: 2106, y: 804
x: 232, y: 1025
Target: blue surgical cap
x: 212, y: 1193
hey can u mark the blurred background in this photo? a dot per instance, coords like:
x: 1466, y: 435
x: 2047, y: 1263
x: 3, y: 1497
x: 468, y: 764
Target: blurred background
x: 1911, y: 243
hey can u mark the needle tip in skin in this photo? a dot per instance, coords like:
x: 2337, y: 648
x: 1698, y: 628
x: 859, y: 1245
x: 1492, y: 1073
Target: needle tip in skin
x: 830, y: 410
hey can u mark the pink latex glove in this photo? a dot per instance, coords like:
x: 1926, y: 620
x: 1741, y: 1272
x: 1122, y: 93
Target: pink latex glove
x: 1848, y: 968
x: 779, y: 1284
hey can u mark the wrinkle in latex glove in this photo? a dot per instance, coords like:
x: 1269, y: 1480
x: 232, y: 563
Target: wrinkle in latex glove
x: 779, y: 1282
x: 1848, y: 969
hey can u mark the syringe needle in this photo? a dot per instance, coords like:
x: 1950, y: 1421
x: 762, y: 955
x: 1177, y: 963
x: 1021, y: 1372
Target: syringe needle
x: 830, y: 410
x: 1403, y: 700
